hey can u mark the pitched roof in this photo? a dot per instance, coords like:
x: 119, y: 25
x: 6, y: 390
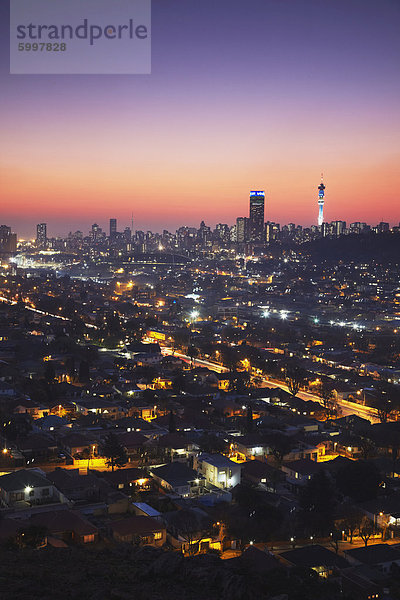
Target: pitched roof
x: 176, y: 474
x: 314, y: 556
x: 304, y: 466
x: 137, y: 525
x: 375, y: 554
x: 217, y: 460
x: 57, y: 521
x: 131, y: 439
x: 19, y: 480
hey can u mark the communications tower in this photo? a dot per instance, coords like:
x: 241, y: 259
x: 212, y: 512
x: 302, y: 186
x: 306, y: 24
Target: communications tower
x: 321, y: 201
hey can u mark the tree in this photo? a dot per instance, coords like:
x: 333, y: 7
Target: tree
x: 84, y: 373
x: 327, y: 398
x: 32, y: 536
x: 334, y: 539
x: 352, y: 520
x: 192, y: 352
x: 212, y: 444
x: 113, y: 451
x: 229, y: 358
x: 249, y: 419
x: 385, y: 402
x: 367, y: 447
x: 171, y: 422
x: 366, y: 530
x: 187, y: 525
x: 295, y: 378
x: 49, y: 372
x: 317, y: 501
x: 70, y: 366
x: 280, y: 445
x: 179, y: 383
x: 359, y: 480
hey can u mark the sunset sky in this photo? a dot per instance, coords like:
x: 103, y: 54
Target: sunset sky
x: 244, y: 94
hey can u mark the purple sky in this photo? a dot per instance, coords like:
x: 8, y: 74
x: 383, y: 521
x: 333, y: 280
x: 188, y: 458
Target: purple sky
x: 243, y: 95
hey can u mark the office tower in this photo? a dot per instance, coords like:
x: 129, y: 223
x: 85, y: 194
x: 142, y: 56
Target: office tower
x: 338, y: 227
x: 272, y: 231
x: 321, y: 201
x: 97, y: 234
x: 113, y: 228
x: 257, y: 206
x: 8, y: 240
x: 383, y: 227
x: 242, y: 230
x: 326, y: 229
x: 222, y: 232
x: 359, y: 227
x: 41, y: 235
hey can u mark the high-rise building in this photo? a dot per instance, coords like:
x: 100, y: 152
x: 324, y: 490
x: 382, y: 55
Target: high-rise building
x: 96, y: 234
x: 257, y: 209
x: 127, y: 234
x: 8, y: 240
x: 383, y: 227
x: 321, y: 201
x: 271, y: 231
x: 242, y: 230
x: 41, y: 235
x: 113, y: 228
x: 338, y: 227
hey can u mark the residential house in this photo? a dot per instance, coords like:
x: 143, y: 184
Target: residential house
x: 141, y: 530
x: 218, y: 470
x: 27, y: 485
x: 177, y: 478
x: 67, y: 525
x: 298, y: 472
x: 314, y: 557
x: 380, y: 556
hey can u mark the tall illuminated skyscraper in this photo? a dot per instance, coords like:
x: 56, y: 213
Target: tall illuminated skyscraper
x: 113, y: 228
x: 257, y: 208
x: 321, y: 201
x: 41, y: 235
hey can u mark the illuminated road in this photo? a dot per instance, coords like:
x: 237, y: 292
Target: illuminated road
x: 347, y: 408
x: 41, y: 312
x: 196, y: 361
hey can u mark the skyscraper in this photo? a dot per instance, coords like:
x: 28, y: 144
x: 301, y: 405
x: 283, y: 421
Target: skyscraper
x: 338, y: 227
x: 242, y: 230
x: 321, y: 201
x: 41, y: 235
x: 113, y: 228
x: 8, y: 240
x: 257, y: 207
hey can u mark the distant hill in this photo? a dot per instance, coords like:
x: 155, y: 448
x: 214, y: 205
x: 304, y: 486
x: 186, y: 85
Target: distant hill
x: 384, y: 248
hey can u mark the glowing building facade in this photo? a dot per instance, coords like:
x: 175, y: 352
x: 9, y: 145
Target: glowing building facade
x: 257, y: 209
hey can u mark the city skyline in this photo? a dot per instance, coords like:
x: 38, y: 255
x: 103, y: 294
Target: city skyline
x: 277, y: 94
